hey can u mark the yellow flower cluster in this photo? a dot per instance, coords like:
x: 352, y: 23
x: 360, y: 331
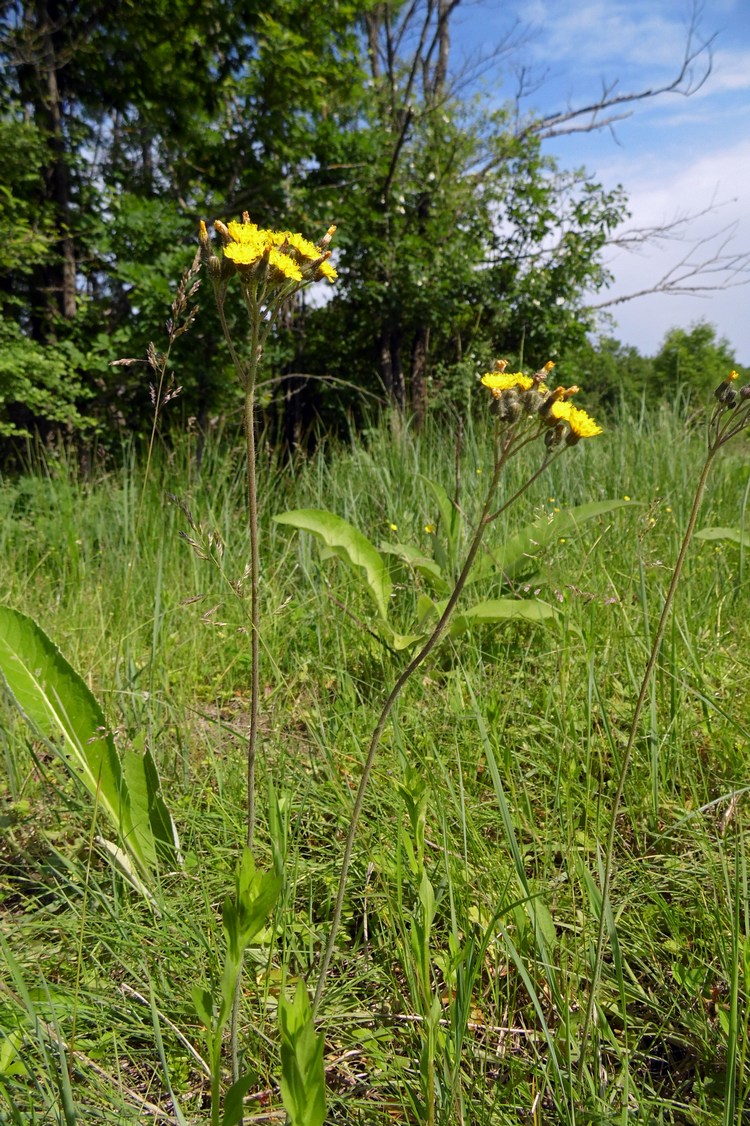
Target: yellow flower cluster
x: 515, y: 395
x: 284, y: 255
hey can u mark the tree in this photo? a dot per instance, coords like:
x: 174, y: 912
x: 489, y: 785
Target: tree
x: 459, y: 235
x: 145, y: 120
x: 459, y: 238
x: 692, y: 362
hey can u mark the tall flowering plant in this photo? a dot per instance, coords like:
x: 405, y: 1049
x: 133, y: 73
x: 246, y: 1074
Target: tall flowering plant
x: 525, y: 411
x: 271, y: 267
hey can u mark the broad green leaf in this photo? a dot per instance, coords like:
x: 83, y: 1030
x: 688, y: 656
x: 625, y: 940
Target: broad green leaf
x: 58, y: 703
x: 10, y: 1064
x: 734, y: 535
x: 420, y: 563
x: 204, y: 1006
x: 347, y: 543
x: 152, y: 821
x: 502, y: 610
x: 302, y: 1073
x: 427, y: 609
x: 494, y: 610
x: 234, y: 1098
x: 514, y: 557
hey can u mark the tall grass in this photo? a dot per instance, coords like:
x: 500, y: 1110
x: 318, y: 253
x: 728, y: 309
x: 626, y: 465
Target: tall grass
x: 518, y: 732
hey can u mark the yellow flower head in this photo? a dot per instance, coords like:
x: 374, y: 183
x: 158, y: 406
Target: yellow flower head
x: 246, y: 253
x: 303, y: 246
x: 581, y: 424
x: 327, y: 271
x: 499, y: 381
x: 732, y: 376
x: 284, y: 266
x: 290, y: 256
x: 560, y: 411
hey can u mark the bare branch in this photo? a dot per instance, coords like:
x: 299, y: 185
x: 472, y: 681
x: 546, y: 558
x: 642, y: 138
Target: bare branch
x: 610, y: 107
x: 707, y: 267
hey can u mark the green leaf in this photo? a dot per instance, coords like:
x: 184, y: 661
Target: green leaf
x: 151, y: 820
x: 10, y: 1064
x: 203, y: 1005
x: 397, y: 641
x: 234, y: 1099
x: 302, y: 1072
x: 518, y: 553
x: 346, y: 542
x: 418, y: 562
x: 56, y: 701
x: 502, y: 610
x: 734, y: 535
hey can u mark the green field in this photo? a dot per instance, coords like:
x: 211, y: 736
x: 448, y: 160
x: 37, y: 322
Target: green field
x: 504, y: 750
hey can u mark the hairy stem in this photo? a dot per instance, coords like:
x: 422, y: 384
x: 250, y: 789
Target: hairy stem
x: 609, y: 859
x: 505, y: 451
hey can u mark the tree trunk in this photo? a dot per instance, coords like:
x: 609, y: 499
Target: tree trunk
x: 391, y: 368
x: 58, y: 178
x: 54, y: 283
x: 420, y: 352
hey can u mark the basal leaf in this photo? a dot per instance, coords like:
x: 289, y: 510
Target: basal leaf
x: 59, y: 704
x: 420, y: 563
x: 517, y: 555
x: 502, y: 610
x: 345, y: 541
x: 734, y: 535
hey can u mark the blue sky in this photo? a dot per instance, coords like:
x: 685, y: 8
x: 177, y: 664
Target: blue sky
x: 674, y: 156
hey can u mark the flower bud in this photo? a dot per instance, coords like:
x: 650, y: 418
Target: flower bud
x: 554, y: 437
x: 722, y: 390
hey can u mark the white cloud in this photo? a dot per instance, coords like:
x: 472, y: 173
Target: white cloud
x: 682, y: 189
x: 621, y: 33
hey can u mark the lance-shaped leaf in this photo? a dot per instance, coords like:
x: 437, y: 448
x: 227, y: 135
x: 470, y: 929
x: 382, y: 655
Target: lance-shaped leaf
x: 58, y: 703
x: 733, y: 535
x: 342, y: 539
x: 516, y: 556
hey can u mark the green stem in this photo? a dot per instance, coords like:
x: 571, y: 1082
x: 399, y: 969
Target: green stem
x: 508, y: 448
x: 252, y: 504
x: 609, y: 861
x: 247, y: 376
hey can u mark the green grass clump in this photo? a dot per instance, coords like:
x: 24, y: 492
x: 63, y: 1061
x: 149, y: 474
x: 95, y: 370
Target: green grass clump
x: 514, y: 734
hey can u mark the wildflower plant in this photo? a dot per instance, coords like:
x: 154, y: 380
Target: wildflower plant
x: 271, y: 267
x: 525, y: 411
x: 730, y: 416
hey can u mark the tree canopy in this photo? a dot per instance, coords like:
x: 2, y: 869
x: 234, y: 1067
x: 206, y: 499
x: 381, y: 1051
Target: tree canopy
x: 459, y: 237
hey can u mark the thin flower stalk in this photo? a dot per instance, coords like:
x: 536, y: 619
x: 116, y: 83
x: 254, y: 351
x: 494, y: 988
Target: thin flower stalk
x: 517, y: 399
x: 725, y: 422
x: 271, y: 266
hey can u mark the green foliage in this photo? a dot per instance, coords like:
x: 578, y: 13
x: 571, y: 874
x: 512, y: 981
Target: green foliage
x: 54, y: 698
x: 513, y: 562
x: 517, y: 559
x: 40, y: 381
x: 612, y: 373
x: 244, y: 916
x: 692, y: 362
x: 345, y: 542
x: 303, y: 1082
x: 553, y: 705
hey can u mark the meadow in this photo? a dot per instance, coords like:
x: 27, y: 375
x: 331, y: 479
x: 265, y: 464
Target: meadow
x: 496, y: 777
